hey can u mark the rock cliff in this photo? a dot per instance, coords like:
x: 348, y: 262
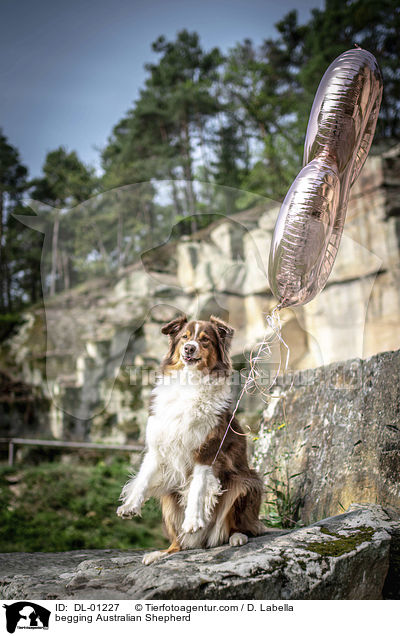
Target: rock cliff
x: 94, y: 348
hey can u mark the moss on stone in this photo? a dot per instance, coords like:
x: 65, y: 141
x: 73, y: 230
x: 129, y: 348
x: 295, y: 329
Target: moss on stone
x: 331, y: 533
x: 342, y: 544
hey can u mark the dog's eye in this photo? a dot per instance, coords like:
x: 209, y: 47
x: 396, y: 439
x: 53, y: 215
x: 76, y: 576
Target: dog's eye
x: 185, y: 337
x: 205, y: 340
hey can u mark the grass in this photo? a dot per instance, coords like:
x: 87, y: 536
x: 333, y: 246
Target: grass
x: 55, y: 506
x: 281, y: 509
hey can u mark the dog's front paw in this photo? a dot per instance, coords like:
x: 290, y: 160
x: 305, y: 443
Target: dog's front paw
x: 192, y: 524
x: 129, y: 510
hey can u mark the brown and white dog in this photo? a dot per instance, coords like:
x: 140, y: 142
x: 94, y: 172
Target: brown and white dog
x: 205, y: 503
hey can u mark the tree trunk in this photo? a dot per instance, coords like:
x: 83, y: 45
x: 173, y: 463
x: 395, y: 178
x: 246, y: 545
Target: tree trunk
x: 2, y: 263
x: 148, y: 208
x: 60, y: 272
x: 207, y: 170
x: 229, y: 201
x: 189, y: 176
x: 8, y: 286
x: 65, y: 265
x: 33, y: 286
x: 54, y: 254
x: 100, y: 244
x: 175, y: 196
x: 119, y: 238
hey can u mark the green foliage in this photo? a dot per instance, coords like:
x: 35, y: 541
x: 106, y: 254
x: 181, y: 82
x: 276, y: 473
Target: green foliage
x: 13, y: 177
x: 156, y: 138
x: 373, y: 26
x: 281, y: 509
x: 66, y: 180
x: 55, y: 507
x: 263, y: 93
x: 9, y: 323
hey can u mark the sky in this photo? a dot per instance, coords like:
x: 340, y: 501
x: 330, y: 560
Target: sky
x: 69, y: 70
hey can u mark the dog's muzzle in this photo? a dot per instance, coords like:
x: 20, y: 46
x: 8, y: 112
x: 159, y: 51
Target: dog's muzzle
x: 190, y: 352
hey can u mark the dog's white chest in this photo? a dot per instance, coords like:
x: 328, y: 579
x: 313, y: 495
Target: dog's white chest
x: 184, y: 412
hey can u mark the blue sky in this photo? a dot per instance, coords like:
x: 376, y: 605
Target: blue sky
x: 70, y: 70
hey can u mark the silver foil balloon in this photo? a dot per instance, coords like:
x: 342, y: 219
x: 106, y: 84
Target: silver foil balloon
x: 339, y: 135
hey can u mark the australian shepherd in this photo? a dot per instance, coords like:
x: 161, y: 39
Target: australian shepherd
x: 209, y: 494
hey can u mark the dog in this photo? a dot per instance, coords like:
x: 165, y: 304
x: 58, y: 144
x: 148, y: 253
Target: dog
x: 194, y: 463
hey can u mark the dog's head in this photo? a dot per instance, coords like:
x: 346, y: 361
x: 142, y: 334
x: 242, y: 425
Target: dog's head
x: 198, y: 344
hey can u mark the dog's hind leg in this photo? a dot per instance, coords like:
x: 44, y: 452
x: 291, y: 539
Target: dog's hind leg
x: 238, y: 538
x: 237, y: 513
x: 246, y: 509
x: 223, y: 525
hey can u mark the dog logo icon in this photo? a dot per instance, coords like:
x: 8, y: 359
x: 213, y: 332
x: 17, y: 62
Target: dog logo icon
x: 26, y: 615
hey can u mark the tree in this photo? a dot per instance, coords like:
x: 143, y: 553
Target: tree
x: 270, y: 88
x: 230, y: 161
x: 66, y: 182
x: 13, y: 177
x: 263, y: 94
x: 183, y: 78
x: 159, y: 136
x: 372, y: 25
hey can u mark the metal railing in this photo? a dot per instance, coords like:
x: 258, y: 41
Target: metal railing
x: 21, y: 441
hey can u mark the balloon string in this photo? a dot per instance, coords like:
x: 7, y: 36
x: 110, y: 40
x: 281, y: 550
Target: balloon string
x: 253, y: 381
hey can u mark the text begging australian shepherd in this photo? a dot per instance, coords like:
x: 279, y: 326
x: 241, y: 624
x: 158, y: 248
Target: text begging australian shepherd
x: 196, y: 457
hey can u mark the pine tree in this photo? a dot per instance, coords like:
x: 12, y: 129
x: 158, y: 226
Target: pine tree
x: 13, y: 177
x: 66, y: 182
x: 372, y: 25
x: 158, y: 137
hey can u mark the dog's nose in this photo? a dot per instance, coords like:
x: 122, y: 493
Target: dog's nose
x: 189, y: 349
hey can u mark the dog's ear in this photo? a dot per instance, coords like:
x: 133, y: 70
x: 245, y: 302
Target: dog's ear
x: 225, y: 335
x: 172, y: 328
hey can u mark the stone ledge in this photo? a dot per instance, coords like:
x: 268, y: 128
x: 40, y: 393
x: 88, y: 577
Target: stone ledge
x: 342, y: 557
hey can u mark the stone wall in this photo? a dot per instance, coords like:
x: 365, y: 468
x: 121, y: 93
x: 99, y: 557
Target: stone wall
x: 338, y: 429
x: 88, y: 348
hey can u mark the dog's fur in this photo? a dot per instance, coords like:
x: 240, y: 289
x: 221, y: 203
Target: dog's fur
x: 204, y: 503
